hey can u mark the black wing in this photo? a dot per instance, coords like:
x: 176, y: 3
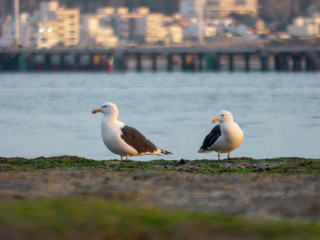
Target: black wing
x: 137, y: 140
x: 211, y: 138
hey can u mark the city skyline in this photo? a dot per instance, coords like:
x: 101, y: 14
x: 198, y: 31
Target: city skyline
x: 53, y: 25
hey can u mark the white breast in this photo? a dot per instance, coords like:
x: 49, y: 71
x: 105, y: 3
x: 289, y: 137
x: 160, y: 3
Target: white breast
x: 231, y: 138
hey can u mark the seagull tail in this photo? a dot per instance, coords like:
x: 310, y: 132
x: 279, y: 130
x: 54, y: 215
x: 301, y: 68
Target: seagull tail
x: 203, y: 150
x: 165, y: 152
x: 200, y: 150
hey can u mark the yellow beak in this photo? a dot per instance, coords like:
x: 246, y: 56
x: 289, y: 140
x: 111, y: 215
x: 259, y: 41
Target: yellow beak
x: 215, y: 120
x: 94, y: 111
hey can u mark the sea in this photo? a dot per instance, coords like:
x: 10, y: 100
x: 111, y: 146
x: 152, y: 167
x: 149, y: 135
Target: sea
x: 49, y: 113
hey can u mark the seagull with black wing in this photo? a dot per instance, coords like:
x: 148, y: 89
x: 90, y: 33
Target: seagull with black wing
x: 122, y: 139
x: 224, y: 137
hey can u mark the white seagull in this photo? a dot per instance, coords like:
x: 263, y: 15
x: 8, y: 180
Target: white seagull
x: 223, y: 138
x: 122, y: 139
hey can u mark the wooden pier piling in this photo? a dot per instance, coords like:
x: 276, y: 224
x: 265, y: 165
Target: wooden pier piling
x: 231, y: 64
x: 200, y: 61
x: 312, y: 61
x: 139, y: 59
x: 215, y: 61
x: 169, y: 62
x: 184, y: 59
x: 296, y: 62
x: 154, y: 62
x: 247, y: 61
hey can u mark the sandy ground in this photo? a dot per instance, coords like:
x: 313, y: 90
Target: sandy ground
x: 271, y: 196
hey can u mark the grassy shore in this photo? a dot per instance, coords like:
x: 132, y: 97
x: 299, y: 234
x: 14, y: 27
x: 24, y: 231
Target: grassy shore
x: 70, y: 197
x: 94, y: 218
x: 205, y: 166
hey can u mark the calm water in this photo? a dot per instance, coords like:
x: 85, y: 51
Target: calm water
x: 49, y: 114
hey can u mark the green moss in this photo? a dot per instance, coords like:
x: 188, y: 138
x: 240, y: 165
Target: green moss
x: 95, y: 218
x: 204, y: 166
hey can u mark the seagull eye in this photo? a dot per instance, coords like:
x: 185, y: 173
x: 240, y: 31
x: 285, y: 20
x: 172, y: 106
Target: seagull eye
x: 222, y: 115
x: 104, y: 106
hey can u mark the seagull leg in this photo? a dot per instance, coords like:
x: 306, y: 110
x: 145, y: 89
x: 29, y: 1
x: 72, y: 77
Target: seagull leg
x: 127, y: 157
x: 121, y: 157
x: 228, y: 155
x: 218, y: 155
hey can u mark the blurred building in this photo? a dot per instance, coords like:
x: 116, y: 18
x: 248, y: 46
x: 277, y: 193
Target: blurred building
x: 174, y: 34
x: 54, y: 26
x: 57, y: 26
x: 51, y: 6
x: 210, y: 31
x: 89, y: 29
x: 305, y: 26
x: 106, y: 38
x: 222, y: 8
x: 27, y: 31
x: 154, y: 30
x: 260, y: 27
x: 94, y: 34
x: 188, y: 8
x: 114, y: 22
x: 106, y: 11
x: 68, y: 26
x: 200, y: 12
x: 7, y: 32
x: 47, y: 11
x: 140, y: 26
x: 48, y: 34
x: 217, y: 8
x: 191, y: 29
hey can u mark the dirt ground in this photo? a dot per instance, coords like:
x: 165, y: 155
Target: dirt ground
x: 270, y: 196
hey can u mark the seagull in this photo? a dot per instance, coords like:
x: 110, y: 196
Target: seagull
x: 225, y: 137
x: 122, y: 139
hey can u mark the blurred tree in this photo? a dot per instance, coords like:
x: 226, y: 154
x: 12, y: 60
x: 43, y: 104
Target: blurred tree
x: 29, y: 5
x: 285, y: 10
x: 240, y: 18
x: 4, y: 5
x: 165, y: 6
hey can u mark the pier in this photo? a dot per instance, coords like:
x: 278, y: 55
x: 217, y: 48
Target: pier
x: 160, y: 59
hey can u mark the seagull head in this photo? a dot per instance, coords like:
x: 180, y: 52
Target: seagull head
x: 224, y: 116
x: 108, y: 108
